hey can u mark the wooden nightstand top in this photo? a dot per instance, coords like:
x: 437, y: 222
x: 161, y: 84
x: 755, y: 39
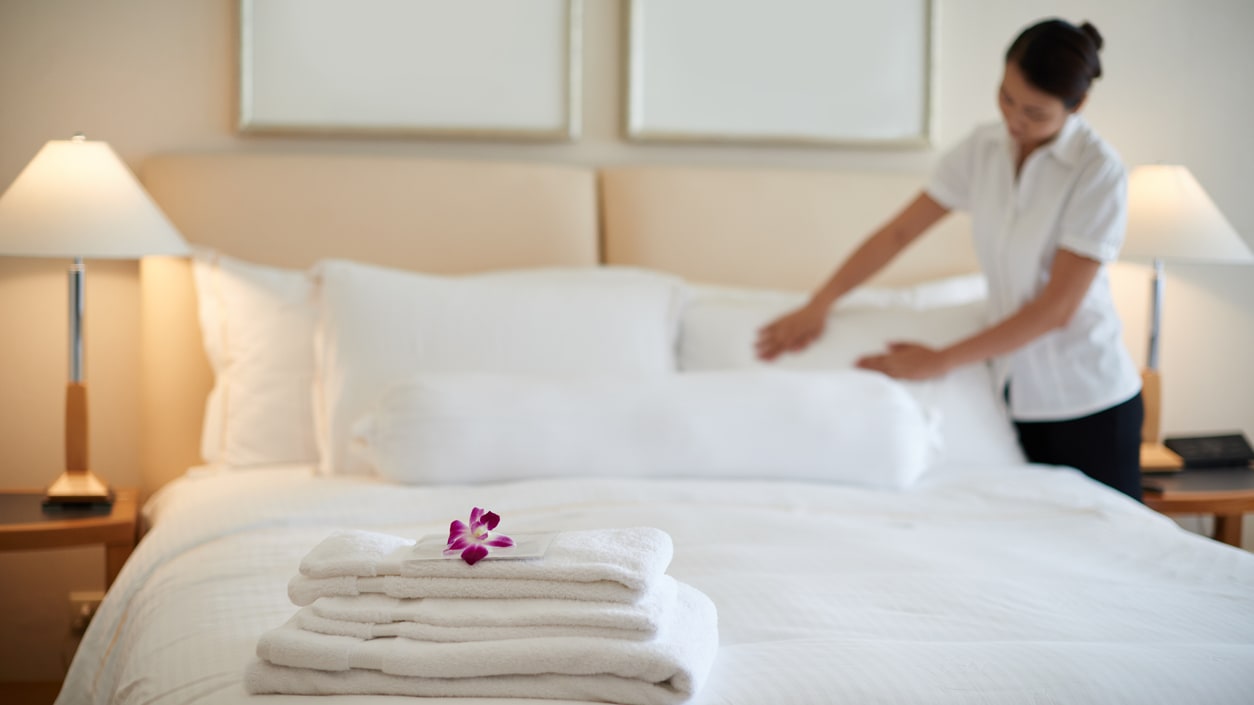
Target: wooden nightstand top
x: 26, y: 526
x: 1201, y: 485
x: 1227, y: 493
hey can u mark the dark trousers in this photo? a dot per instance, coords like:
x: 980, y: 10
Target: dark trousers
x: 1106, y: 445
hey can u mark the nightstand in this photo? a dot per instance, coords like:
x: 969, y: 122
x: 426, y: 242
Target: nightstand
x: 1226, y: 493
x: 26, y: 526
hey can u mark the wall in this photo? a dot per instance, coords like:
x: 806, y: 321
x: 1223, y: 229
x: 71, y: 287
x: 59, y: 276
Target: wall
x: 152, y: 75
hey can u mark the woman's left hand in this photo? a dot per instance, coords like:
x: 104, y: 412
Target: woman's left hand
x: 907, y: 361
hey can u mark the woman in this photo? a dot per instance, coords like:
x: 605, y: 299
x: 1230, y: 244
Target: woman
x: 1047, y: 199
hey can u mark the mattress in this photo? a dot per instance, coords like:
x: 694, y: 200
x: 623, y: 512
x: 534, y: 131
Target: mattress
x: 1018, y: 584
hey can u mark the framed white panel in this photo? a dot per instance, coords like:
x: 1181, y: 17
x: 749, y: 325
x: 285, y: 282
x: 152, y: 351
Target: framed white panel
x: 785, y: 71
x: 490, y: 68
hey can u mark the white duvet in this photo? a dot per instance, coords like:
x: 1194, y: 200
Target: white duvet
x: 1021, y: 585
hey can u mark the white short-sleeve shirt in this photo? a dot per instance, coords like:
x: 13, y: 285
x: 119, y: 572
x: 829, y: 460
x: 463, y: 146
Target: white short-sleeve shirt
x: 1070, y: 194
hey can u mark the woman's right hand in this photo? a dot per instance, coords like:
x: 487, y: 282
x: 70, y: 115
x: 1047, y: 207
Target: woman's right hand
x: 791, y: 332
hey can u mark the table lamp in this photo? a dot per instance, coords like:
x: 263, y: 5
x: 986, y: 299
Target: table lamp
x: 1170, y: 217
x: 77, y: 199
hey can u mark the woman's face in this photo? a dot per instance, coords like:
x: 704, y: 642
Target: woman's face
x: 1033, y: 117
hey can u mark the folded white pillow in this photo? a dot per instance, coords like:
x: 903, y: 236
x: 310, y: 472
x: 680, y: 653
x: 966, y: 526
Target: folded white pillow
x: 380, y: 326
x: 720, y: 325
x: 850, y: 427
x: 257, y: 323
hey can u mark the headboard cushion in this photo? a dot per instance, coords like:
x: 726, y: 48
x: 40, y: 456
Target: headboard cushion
x: 431, y: 215
x: 766, y: 228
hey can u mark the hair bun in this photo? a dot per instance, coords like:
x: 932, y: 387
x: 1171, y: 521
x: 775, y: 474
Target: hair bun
x: 1092, y: 33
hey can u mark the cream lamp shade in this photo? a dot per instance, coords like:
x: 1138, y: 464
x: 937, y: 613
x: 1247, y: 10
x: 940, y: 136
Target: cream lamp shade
x: 1170, y: 217
x: 77, y: 199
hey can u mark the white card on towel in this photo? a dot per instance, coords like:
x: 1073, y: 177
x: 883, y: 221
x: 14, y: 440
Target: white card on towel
x: 431, y: 548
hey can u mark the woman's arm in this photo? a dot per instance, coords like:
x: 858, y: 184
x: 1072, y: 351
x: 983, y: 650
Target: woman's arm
x: 799, y: 328
x: 1069, y: 280
x: 880, y: 248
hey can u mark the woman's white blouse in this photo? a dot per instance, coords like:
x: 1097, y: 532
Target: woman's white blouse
x: 1070, y: 194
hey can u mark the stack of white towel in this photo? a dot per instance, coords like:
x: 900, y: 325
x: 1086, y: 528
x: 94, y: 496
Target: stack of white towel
x: 595, y: 618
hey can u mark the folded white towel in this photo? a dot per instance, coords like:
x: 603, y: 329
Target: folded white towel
x: 628, y: 556
x: 484, y: 619
x: 303, y: 591
x: 311, y: 622
x: 612, y: 565
x: 677, y: 660
x: 261, y: 677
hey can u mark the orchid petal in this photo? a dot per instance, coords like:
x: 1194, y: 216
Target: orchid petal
x: 474, y: 553
x: 474, y: 538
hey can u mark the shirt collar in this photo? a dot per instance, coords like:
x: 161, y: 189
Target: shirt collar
x: 1066, y: 147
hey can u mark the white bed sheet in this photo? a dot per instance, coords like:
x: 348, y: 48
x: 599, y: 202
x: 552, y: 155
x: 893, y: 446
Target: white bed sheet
x: 1018, y: 585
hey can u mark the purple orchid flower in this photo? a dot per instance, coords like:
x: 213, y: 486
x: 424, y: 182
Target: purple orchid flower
x: 473, y: 540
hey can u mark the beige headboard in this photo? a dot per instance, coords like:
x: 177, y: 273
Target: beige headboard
x: 291, y: 210
x: 766, y: 228
x: 748, y: 227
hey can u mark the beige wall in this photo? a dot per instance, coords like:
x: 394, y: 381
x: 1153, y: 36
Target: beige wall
x: 155, y: 75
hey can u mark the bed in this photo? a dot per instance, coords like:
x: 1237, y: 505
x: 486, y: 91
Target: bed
x: 377, y: 345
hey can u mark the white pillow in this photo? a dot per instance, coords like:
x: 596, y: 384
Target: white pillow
x: 936, y: 293
x: 720, y: 325
x: 851, y: 427
x: 380, y: 326
x: 258, y: 324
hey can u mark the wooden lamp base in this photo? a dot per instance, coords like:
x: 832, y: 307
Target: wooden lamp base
x: 77, y: 485
x: 1155, y: 457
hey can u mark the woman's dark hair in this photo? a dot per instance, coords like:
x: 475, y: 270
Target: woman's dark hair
x: 1059, y: 58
